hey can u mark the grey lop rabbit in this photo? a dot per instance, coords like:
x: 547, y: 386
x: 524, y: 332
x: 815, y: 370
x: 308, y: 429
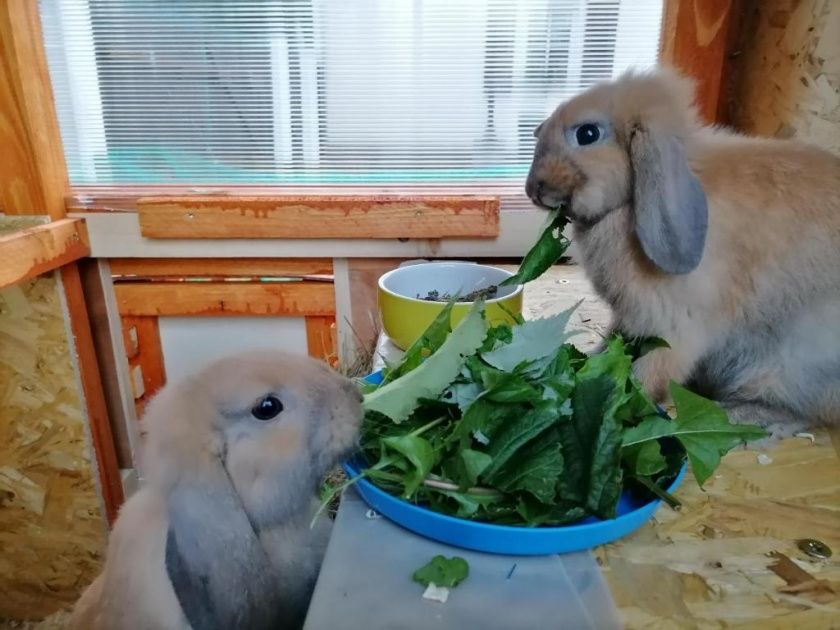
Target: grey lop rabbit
x: 219, y: 534
x: 726, y: 246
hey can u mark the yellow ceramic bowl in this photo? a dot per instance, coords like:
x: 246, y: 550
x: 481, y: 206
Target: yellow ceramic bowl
x: 405, y: 316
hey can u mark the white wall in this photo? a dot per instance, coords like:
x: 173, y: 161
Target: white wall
x: 189, y: 343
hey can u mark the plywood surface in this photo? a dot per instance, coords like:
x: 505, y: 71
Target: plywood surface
x: 784, y: 74
x: 318, y: 217
x: 707, y: 565
x: 52, y: 530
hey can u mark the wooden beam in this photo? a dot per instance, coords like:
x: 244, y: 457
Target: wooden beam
x: 309, y: 217
x: 98, y: 422
x: 364, y: 276
x: 33, y: 251
x: 33, y: 176
x: 120, y: 199
x: 148, y: 357
x: 694, y: 40
x: 277, y: 267
x: 220, y: 298
x: 321, y: 338
x: 117, y: 235
x: 106, y: 328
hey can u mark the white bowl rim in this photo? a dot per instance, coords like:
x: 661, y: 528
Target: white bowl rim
x: 388, y: 274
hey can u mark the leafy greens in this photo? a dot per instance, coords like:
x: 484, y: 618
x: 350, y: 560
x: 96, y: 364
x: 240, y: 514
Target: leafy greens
x: 514, y: 425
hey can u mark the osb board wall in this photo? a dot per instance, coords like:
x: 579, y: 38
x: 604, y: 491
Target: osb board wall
x: 52, y: 532
x: 784, y: 71
x: 708, y: 566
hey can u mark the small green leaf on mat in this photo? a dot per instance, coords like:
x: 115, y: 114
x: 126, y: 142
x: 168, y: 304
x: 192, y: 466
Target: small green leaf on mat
x: 442, y: 571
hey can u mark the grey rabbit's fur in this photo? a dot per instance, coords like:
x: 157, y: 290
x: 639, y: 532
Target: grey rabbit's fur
x: 726, y: 246
x: 220, y: 530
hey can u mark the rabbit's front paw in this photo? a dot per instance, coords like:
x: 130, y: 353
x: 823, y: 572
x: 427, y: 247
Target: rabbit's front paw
x: 779, y: 423
x: 654, y: 371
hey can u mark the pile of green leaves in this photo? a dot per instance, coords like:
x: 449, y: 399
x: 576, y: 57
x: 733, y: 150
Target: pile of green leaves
x: 514, y: 425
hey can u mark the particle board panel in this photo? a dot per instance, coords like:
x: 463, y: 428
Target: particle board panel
x: 52, y: 524
x: 707, y: 566
x: 784, y: 80
x: 313, y: 217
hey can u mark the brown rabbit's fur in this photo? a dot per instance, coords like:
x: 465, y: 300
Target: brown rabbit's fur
x: 756, y: 324
x: 238, y: 489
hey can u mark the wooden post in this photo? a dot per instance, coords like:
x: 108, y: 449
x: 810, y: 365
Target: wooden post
x: 33, y: 180
x: 694, y: 41
x: 33, y: 175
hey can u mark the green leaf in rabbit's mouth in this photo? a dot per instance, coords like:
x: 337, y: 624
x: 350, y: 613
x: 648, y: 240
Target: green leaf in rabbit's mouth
x: 549, y: 248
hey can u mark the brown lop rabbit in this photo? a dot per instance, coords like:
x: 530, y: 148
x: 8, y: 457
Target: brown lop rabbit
x: 219, y: 534
x: 726, y: 246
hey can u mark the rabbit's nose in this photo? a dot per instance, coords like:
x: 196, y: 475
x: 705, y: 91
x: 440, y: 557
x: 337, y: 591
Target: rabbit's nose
x: 533, y: 188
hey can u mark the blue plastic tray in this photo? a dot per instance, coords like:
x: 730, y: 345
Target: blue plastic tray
x: 506, y: 539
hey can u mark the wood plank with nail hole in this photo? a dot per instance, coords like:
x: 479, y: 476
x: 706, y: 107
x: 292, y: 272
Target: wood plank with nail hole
x: 315, y: 216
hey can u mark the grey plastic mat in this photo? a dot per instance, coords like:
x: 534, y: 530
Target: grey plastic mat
x: 366, y: 584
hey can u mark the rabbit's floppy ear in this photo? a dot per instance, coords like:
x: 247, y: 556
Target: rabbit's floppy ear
x: 218, y: 568
x: 671, y: 213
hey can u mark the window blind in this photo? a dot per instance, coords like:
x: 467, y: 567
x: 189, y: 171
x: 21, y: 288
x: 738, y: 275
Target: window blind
x: 330, y: 92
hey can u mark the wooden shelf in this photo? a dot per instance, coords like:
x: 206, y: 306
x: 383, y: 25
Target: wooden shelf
x: 31, y: 252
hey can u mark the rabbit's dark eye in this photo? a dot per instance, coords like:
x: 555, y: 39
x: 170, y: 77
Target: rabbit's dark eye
x: 268, y: 408
x: 588, y: 133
